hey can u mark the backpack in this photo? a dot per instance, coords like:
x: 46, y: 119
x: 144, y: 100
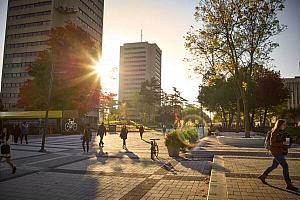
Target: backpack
x: 268, y: 140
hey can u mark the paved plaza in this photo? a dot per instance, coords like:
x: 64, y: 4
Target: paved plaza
x: 211, y: 170
x: 65, y: 172
x: 235, y: 170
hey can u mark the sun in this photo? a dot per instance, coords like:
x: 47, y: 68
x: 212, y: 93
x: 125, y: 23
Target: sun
x: 105, y: 72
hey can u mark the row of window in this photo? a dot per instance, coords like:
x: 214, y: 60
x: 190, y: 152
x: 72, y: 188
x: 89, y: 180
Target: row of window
x: 131, y: 48
x: 88, y: 26
x: 25, y: 54
x: 32, y: 5
x: 88, y: 17
x: 26, y: 44
x: 134, y: 61
x: 11, y: 85
x: 133, y: 70
x: 27, y: 25
x: 96, y: 5
x: 134, y: 57
x: 9, y: 105
x: 5, y: 95
x: 130, y: 74
x: 10, y: 65
x: 135, y: 79
x: 90, y: 10
x: 30, y: 34
x: 14, y: 75
x: 29, y: 15
x: 134, y: 52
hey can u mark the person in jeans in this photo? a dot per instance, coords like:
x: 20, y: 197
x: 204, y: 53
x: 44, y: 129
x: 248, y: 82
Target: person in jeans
x: 123, y: 135
x: 24, y: 132
x: 141, y: 130
x: 85, y: 138
x: 4, y: 138
x: 279, y: 144
x: 101, y: 131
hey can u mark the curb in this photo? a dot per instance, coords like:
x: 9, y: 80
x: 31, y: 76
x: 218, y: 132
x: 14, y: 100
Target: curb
x: 217, y: 185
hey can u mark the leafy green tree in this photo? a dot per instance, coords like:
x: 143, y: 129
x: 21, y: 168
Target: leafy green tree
x: 232, y: 37
x: 70, y: 59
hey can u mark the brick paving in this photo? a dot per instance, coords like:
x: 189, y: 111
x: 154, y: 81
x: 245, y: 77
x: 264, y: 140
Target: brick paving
x: 65, y: 172
x: 235, y: 171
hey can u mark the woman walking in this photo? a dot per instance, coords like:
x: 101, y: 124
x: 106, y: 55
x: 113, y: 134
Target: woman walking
x: 141, y: 130
x: 5, y: 148
x: 123, y: 135
x: 279, y: 144
x: 86, y: 138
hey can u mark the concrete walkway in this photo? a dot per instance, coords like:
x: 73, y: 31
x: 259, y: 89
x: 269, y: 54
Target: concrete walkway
x: 235, y: 171
x: 65, y: 172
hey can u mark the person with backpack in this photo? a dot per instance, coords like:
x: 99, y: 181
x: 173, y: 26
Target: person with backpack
x: 101, y: 131
x: 123, y: 135
x: 277, y: 142
x: 141, y: 130
x: 5, y: 148
x: 85, y: 137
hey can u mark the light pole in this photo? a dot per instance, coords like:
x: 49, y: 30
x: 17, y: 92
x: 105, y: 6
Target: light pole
x: 45, y: 132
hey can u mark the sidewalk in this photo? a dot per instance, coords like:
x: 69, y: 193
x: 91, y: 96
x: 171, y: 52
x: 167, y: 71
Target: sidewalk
x: 235, y: 171
x: 65, y: 172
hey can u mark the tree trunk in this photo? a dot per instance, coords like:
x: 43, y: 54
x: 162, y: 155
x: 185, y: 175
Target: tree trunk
x: 252, y: 119
x: 246, y: 115
x: 238, y: 116
x: 265, y: 116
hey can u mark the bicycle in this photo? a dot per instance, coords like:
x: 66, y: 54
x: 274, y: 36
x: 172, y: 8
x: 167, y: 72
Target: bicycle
x: 154, y: 148
x: 71, y: 125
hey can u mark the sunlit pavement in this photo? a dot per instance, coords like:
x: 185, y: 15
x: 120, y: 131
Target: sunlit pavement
x: 235, y: 171
x: 65, y: 172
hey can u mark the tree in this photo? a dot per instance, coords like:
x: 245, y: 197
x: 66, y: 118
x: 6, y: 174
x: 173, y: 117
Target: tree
x: 270, y: 92
x: 75, y: 83
x: 234, y: 35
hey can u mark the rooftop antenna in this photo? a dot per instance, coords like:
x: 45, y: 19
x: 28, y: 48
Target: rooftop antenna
x: 141, y: 35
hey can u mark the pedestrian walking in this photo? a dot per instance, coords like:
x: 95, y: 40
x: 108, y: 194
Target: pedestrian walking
x: 164, y: 129
x: 24, y: 132
x: 85, y: 137
x: 17, y: 133
x: 279, y: 142
x: 101, y: 132
x: 123, y: 135
x: 5, y: 148
x: 141, y: 130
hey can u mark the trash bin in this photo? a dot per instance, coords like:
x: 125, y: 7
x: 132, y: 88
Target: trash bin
x: 112, y: 128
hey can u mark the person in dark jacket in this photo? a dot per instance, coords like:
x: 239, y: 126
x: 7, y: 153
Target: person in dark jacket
x: 123, y: 135
x: 5, y: 148
x: 279, y: 144
x: 17, y: 133
x: 24, y: 132
x: 85, y: 137
x: 101, y: 131
x: 141, y: 130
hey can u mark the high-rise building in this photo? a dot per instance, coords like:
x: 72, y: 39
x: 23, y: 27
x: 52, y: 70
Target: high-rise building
x: 28, y: 25
x: 293, y: 84
x: 139, y: 62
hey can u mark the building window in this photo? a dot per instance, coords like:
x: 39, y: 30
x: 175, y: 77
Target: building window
x: 26, y: 54
x: 32, y: 5
x: 30, y: 34
x: 27, y: 44
x: 27, y: 25
x: 29, y: 15
x: 11, y: 65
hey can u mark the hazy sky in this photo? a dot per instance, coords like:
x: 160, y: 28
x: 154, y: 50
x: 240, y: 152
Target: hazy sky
x: 165, y: 22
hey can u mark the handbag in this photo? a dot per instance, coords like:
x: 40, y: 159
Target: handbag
x: 5, y: 149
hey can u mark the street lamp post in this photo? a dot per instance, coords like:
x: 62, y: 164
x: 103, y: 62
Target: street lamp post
x: 45, y: 132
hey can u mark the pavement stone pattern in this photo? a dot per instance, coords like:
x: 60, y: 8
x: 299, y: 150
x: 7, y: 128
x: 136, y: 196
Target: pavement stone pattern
x: 65, y: 172
x: 237, y: 173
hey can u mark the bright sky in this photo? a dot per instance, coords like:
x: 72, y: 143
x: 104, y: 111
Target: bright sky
x: 165, y: 22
